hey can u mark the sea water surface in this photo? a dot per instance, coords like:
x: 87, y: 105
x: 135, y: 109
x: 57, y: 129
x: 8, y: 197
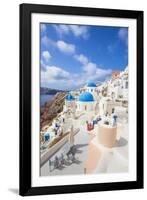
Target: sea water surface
x: 45, y: 98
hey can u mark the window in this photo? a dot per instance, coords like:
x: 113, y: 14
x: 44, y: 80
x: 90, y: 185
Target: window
x: 112, y: 110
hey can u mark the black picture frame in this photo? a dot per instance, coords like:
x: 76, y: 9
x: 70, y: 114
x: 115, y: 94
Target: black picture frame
x: 25, y: 187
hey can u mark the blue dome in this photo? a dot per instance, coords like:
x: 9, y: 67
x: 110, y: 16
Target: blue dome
x: 91, y: 84
x: 69, y: 97
x: 86, y: 97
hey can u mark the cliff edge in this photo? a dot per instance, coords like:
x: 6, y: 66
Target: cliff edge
x: 51, y: 109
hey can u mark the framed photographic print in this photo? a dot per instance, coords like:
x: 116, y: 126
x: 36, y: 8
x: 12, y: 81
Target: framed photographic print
x: 81, y: 99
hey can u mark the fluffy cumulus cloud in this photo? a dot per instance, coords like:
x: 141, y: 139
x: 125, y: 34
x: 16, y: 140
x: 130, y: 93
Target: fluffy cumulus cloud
x: 43, y: 65
x: 95, y: 73
x: 53, y: 74
x: 81, y: 58
x: 90, y: 69
x: 46, y: 41
x: 56, y: 77
x: 90, y: 72
x: 79, y: 30
x: 123, y: 35
x: 126, y: 68
x: 43, y: 28
x: 61, y: 45
x: 62, y: 29
x: 76, y: 30
x: 65, y: 47
x: 104, y: 73
x: 46, y: 55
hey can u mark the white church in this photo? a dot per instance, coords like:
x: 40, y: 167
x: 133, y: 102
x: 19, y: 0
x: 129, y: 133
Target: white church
x: 99, y: 99
x: 86, y: 101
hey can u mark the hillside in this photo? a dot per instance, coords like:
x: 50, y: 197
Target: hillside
x: 51, y: 109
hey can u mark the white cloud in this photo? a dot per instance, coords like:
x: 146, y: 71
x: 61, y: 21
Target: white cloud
x: 79, y: 30
x: 43, y: 65
x: 101, y: 73
x: 65, y: 47
x: 53, y: 74
x: 126, y: 68
x: 76, y: 30
x: 61, y: 29
x: 81, y: 58
x: 60, y: 45
x: 46, y: 55
x: 91, y: 72
x: 44, y: 40
x: 123, y: 35
x: 95, y: 73
x: 56, y: 77
x: 47, y: 41
x: 90, y: 68
x: 43, y: 28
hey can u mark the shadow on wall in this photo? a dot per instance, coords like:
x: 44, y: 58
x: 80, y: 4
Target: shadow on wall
x: 14, y: 190
x: 121, y: 142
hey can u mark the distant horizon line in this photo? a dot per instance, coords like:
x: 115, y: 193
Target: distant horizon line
x: 67, y: 90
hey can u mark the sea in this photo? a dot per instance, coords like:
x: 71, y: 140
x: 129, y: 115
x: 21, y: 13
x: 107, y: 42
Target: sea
x: 45, y: 98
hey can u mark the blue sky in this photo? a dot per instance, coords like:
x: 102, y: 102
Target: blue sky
x: 72, y: 55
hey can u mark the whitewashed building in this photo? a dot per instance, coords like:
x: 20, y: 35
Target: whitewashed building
x: 118, y: 86
x: 106, y: 106
x: 86, y: 102
x: 70, y: 106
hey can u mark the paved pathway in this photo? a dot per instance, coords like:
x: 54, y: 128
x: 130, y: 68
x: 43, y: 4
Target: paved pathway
x: 82, y: 142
